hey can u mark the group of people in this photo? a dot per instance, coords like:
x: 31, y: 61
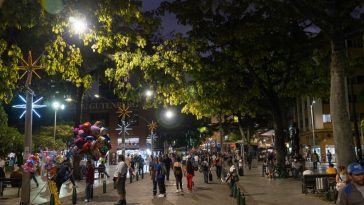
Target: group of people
x: 161, y: 166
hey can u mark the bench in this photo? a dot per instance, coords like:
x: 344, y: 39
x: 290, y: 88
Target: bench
x: 318, y: 182
x: 10, y: 183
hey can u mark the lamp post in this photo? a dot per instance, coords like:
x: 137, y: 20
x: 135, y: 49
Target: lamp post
x: 56, y: 106
x: 313, y: 124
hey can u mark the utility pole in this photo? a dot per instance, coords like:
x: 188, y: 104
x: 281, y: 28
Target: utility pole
x: 29, y: 69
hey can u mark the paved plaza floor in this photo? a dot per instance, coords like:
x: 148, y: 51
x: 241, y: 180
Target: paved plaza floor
x: 258, y: 190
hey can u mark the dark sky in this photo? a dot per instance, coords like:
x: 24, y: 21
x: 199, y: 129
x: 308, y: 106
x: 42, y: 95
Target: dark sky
x: 169, y: 22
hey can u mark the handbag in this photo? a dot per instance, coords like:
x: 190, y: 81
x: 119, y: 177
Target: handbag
x: 340, y: 186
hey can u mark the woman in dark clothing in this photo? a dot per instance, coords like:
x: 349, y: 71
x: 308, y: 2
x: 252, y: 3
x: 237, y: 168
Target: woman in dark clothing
x: 189, y: 173
x: 178, y: 174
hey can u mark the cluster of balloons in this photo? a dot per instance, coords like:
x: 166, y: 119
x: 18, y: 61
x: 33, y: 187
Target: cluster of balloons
x: 30, y: 163
x: 91, y: 140
x: 53, y: 159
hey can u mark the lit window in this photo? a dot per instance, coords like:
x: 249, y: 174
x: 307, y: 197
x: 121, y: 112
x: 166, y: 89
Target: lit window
x: 326, y: 118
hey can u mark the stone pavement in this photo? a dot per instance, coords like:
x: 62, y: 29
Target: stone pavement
x: 258, y: 190
x: 138, y: 192
x: 263, y: 191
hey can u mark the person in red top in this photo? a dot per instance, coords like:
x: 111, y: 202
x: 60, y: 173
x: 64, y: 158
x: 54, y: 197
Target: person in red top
x: 90, y: 177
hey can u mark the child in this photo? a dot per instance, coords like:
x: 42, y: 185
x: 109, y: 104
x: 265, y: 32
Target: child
x: 89, y: 175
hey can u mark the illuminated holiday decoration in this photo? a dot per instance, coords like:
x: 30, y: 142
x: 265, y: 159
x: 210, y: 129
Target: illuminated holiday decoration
x: 124, y: 127
x: 35, y: 106
x: 152, y: 126
x: 123, y: 111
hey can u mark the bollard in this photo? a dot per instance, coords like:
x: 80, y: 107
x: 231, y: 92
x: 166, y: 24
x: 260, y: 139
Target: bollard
x: 51, y: 200
x: 236, y: 190
x: 238, y: 197
x: 104, y: 187
x: 131, y: 177
x: 137, y: 176
x: 242, y: 199
x: 74, y: 196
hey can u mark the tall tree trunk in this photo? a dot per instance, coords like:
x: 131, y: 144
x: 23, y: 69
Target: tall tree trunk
x: 280, y: 137
x: 79, y: 106
x: 342, y: 129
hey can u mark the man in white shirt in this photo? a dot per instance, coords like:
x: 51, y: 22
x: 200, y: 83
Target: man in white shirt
x: 120, y: 178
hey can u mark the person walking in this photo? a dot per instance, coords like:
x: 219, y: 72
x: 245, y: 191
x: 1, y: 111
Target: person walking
x: 342, y: 179
x: 119, y: 179
x: 352, y: 193
x: 140, y: 165
x: 167, y: 163
x: 32, y: 176
x: 90, y: 177
x: 314, y: 159
x: 329, y: 157
x: 189, y: 173
x: 249, y: 160
x: 160, y: 175
x: 218, y: 165
x: 205, y: 170
x: 152, y: 172
x: 102, y: 169
x: 178, y: 174
x: 233, y: 176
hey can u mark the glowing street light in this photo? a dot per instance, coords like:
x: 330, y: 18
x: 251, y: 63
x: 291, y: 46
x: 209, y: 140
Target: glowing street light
x: 313, y: 124
x: 56, y: 106
x: 78, y: 25
x: 149, y: 93
x: 169, y: 114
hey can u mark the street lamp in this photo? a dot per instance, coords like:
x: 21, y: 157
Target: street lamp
x: 78, y: 25
x: 313, y: 124
x: 148, y: 93
x: 56, y: 106
x: 169, y: 114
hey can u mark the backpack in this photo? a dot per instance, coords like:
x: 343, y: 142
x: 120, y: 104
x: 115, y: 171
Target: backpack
x: 177, y: 171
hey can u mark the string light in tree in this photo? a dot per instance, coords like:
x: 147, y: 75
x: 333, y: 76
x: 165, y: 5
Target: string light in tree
x: 34, y: 106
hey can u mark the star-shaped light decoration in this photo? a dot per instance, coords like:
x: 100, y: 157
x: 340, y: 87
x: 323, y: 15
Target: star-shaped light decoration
x: 124, y: 127
x: 123, y: 111
x: 152, y: 126
x: 29, y: 68
x: 35, y: 106
x: 152, y: 135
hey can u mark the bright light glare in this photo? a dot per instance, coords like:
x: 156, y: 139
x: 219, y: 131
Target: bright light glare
x: 78, y: 25
x: 149, y: 152
x: 96, y: 95
x: 169, y: 114
x: 148, y: 93
x: 68, y: 99
x: 56, y: 105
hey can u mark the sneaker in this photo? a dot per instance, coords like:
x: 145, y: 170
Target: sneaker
x: 86, y: 200
x: 177, y: 191
x: 161, y: 195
